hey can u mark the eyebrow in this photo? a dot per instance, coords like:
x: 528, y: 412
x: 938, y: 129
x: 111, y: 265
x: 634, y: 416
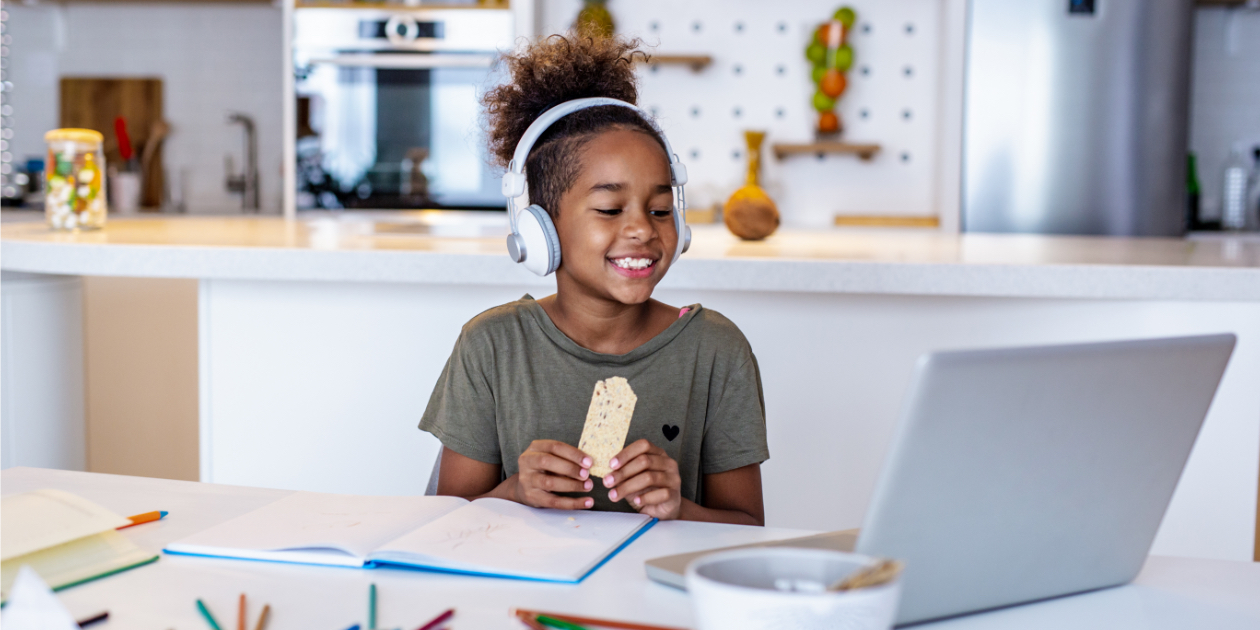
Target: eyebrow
x: 618, y: 187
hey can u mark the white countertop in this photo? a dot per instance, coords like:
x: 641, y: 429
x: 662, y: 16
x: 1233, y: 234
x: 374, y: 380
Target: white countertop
x: 1169, y: 593
x: 467, y: 248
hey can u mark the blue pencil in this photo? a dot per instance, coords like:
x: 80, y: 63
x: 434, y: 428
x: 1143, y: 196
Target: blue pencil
x: 372, y: 607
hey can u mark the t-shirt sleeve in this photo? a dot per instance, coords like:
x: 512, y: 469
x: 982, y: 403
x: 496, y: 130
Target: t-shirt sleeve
x: 735, y: 431
x: 461, y: 411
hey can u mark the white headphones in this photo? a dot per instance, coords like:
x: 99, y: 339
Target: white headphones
x: 533, y: 241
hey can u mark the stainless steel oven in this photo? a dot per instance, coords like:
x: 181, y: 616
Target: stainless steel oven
x: 387, y: 106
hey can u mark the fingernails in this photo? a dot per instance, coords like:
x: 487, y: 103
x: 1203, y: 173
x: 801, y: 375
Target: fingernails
x: 585, y: 473
x: 590, y: 502
x: 588, y: 485
x: 609, y: 481
x: 638, y: 500
x: 612, y: 496
x: 586, y: 462
x: 614, y: 464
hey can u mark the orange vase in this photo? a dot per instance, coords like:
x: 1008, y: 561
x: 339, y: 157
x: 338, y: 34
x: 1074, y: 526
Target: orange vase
x: 750, y: 213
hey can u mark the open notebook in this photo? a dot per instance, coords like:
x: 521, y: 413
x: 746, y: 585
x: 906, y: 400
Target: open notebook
x: 66, y: 539
x: 484, y: 537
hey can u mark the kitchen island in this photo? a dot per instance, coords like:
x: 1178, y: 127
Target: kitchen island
x: 319, y: 340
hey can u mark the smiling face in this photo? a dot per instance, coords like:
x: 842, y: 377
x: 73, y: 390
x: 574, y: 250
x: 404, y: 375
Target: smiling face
x: 616, y: 223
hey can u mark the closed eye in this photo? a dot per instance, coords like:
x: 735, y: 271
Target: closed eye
x: 662, y: 213
x: 609, y: 212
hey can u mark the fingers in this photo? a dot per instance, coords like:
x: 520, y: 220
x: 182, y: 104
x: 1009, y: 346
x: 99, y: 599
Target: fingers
x: 542, y: 499
x: 644, y: 481
x: 655, y: 496
x: 548, y: 482
x: 627, y: 454
x: 561, y: 450
x: 646, y: 461
x: 550, y: 467
x: 549, y: 463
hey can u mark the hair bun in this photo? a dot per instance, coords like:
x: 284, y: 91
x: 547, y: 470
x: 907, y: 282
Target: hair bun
x: 554, y: 70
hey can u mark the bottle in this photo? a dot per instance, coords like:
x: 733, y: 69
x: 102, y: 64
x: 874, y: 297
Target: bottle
x: 1193, y: 219
x: 1234, y: 191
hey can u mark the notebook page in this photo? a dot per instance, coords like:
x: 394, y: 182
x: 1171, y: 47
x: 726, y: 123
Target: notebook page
x: 504, y: 537
x: 78, y: 560
x: 36, y: 520
x: 350, y: 524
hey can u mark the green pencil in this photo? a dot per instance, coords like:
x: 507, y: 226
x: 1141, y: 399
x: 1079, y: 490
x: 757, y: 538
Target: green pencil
x: 371, y: 608
x: 558, y: 623
x: 205, y: 612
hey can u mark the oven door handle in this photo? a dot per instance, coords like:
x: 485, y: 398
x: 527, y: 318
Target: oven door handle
x: 408, y: 61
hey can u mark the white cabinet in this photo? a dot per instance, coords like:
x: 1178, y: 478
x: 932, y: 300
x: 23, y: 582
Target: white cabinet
x: 42, y: 372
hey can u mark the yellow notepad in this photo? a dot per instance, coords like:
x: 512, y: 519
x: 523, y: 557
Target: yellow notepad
x: 66, y: 539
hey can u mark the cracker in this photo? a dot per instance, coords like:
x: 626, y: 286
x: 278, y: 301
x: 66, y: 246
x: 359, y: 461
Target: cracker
x: 607, y: 423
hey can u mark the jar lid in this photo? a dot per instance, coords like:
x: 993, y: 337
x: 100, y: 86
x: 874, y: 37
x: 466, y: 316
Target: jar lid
x: 75, y: 135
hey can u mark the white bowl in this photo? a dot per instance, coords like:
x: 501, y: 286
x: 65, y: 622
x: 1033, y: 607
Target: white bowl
x: 780, y: 587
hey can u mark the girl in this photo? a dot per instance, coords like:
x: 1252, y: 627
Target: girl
x: 512, y: 400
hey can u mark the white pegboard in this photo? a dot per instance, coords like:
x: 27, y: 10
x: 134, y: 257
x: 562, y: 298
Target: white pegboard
x: 760, y: 80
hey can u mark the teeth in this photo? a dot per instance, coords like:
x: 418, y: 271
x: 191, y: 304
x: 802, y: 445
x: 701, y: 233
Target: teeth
x: 633, y: 263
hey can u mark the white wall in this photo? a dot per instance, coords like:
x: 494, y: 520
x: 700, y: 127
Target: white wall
x: 1225, y: 101
x: 213, y: 58
x: 760, y: 80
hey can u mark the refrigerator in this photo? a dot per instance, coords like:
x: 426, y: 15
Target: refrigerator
x: 1076, y: 115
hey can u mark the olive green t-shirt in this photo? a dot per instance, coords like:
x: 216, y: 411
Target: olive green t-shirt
x: 514, y: 377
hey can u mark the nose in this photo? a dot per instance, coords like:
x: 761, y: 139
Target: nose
x: 638, y: 225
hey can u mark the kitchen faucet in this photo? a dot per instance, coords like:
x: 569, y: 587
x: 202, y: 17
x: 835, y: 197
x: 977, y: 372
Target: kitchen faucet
x: 245, y: 183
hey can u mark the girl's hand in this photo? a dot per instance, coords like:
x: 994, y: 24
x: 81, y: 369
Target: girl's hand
x: 547, y: 467
x: 646, y: 477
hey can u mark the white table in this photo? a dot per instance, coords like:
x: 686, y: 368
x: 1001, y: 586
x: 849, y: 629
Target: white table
x: 1170, y: 592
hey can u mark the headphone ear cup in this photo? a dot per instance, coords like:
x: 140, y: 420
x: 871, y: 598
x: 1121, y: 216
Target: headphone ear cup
x: 684, y: 233
x: 542, y: 245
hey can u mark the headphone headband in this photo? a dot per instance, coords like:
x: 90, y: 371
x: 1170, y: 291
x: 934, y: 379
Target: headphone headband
x: 539, y: 233
x: 514, y: 178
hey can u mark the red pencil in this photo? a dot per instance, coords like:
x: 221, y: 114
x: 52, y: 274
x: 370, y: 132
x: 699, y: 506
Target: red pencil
x: 438, y: 620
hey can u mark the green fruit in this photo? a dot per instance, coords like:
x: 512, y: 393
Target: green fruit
x: 817, y: 73
x: 841, y: 58
x: 822, y: 102
x: 846, y: 16
x: 816, y: 53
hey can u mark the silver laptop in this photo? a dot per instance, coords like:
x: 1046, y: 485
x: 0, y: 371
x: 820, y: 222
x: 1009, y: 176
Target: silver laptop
x: 1027, y: 473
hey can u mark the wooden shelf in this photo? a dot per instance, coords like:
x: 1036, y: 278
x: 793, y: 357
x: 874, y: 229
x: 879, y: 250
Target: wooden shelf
x: 886, y: 221
x: 822, y: 147
x: 697, y: 62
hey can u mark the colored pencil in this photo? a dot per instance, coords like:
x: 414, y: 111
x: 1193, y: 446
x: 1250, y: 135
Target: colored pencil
x: 592, y: 621
x: 97, y: 618
x: 147, y: 517
x: 205, y: 612
x: 240, y: 614
x: 372, y: 607
x: 262, y: 618
x: 529, y: 621
x: 438, y: 620
x: 558, y: 623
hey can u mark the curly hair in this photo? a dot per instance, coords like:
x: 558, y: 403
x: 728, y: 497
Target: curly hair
x: 549, y: 72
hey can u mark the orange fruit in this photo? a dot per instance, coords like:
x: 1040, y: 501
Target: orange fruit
x: 832, y: 83
x: 828, y: 122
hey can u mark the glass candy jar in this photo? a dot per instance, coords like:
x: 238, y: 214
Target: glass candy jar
x: 75, y: 194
